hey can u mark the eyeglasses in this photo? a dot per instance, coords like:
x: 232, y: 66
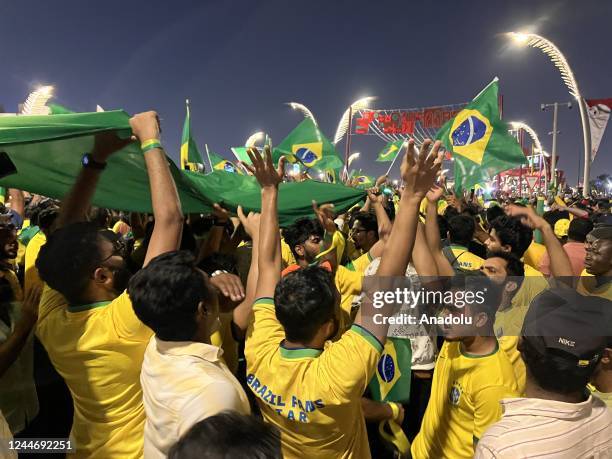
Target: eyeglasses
x: 119, y: 250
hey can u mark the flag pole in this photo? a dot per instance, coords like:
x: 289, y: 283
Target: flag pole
x: 395, y: 159
x: 208, y: 155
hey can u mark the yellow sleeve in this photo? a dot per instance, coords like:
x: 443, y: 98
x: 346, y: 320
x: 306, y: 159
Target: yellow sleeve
x: 487, y: 409
x: 49, y: 300
x: 347, y: 366
x: 32, y: 278
x: 286, y: 254
x: 339, y: 242
x: 264, y: 333
x: 348, y: 282
x: 127, y: 325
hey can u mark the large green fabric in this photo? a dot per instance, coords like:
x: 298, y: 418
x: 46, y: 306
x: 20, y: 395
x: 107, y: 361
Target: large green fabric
x: 46, y: 151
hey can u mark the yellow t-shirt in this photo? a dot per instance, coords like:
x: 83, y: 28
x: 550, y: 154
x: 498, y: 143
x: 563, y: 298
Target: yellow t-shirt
x: 533, y: 255
x: 464, y: 259
x: 98, y: 349
x: 313, y: 396
x: 587, y: 285
x: 286, y: 254
x: 509, y: 322
x: 464, y: 402
x: 348, y: 284
x: 360, y: 264
x: 31, y: 254
x: 224, y: 339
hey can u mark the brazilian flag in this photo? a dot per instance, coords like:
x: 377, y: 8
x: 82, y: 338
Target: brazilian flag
x: 363, y: 181
x: 307, y: 145
x: 392, y: 380
x: 390, y: 152
x: 219, y: 163
x: 189, y: 149
x: 479, y: 141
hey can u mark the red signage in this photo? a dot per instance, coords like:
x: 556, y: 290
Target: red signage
x: 404, y: 121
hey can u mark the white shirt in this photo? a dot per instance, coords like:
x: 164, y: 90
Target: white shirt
x: 184, y: 382
x: 18, y: 399
x: 532, y: 427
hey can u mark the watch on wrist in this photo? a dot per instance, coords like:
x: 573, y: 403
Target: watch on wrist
x: 218, y: 272
x: 88, y: 162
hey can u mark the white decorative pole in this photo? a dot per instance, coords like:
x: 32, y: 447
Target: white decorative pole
x: 557, y: 58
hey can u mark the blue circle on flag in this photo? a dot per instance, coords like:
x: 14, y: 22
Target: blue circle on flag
x: 386, y: 368
x: 468, y: 132
x: 306, y: 155
x: 228, y: 167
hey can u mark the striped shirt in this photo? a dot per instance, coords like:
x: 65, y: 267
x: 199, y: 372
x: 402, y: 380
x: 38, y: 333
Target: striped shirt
x: 537, y: 428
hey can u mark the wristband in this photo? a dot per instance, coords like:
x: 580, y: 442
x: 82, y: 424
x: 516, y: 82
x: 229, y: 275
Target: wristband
x: 150, y: 145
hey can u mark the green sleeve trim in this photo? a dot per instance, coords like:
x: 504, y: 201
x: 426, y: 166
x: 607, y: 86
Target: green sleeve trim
x: 369, y: 337
x: 264, y: 301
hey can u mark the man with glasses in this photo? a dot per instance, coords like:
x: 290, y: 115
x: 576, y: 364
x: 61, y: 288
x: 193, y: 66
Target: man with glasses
x: 86, y: 321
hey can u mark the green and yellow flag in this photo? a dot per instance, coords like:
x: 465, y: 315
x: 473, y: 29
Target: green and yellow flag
x: 392, y: 380
x: 390, y: 151
x: 241, y: 154
x: 219, y: 163
x: 479, y: 141
x: 307, y: 145
x: 189, y: 150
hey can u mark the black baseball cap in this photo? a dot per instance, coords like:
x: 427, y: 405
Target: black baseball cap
x: 561, y: 319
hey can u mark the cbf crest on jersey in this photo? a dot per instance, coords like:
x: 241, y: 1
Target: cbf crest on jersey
x: 470, y: 135
x: 454, y: 395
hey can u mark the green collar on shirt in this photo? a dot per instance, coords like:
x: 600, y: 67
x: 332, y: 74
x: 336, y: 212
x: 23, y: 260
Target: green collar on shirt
x: 86, y: 307
x: 475, y: 356
x: 301, y: 353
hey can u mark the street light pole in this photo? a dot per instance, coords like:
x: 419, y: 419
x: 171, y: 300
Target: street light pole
x: 553, y: 159
x: 567, y: 75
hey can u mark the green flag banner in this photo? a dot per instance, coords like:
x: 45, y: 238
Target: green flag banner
x: 189, y: 149
x: 390, y: 151
x: 479, y: 141
x: 57, y: 109
x: 307, y: 145
x: 47, y: 151
x: 241, y: 154
x: 221, y: 164
x: 392, y: 380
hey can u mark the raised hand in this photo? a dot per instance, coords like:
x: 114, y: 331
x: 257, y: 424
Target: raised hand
x: 263, y: 169
x: 380, y: 180
x: 221, y: 214
x: 145, y: 126
x: 229, y: 285
x: 107, y: 143
x: 527, y: 215
x: 435, y: 193
x: 419, y: 170
x: 375, y: 198
x: 249, y: 222
x: 325, y: 214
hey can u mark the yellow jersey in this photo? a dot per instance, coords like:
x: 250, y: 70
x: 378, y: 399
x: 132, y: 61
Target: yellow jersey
x: 587, y: 285
x: 312, y: 395
x: 464, y: 402
x: 533, y: 255
x: 460, y: 257
x: 360, y: 264
x: 224, y: 339
x: 348, y: 284
x: 32, y: 278
x: 286, y: 254
x: 509, y: 321
x: 98, y: 349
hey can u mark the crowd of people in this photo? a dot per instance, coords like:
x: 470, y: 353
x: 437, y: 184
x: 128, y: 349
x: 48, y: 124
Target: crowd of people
x: 226, y: 336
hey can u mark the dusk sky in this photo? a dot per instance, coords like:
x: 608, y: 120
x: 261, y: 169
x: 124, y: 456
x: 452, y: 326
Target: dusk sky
x: 240, y: 61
